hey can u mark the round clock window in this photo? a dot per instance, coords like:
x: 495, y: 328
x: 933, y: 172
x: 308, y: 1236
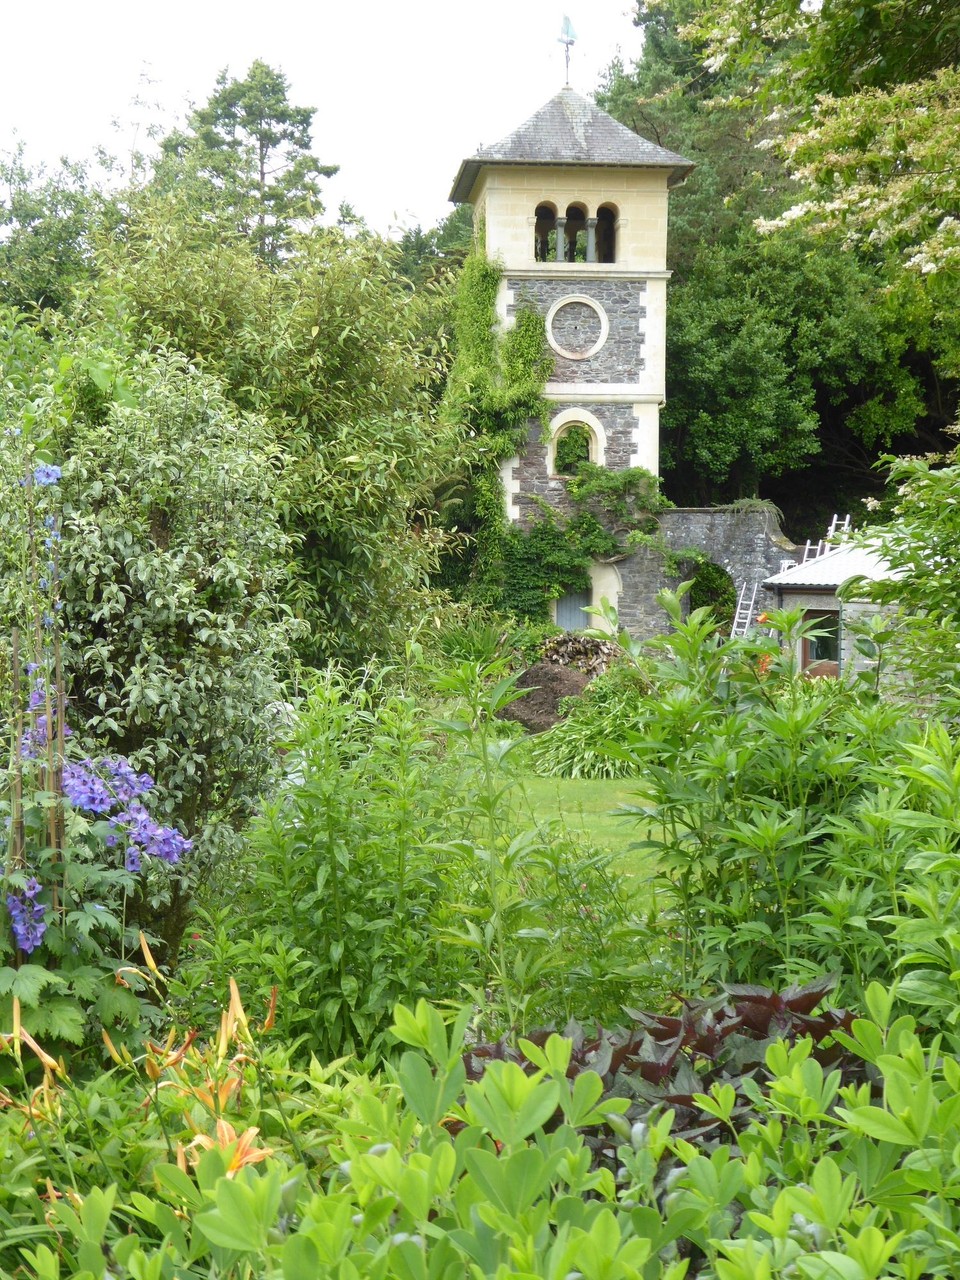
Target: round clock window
x: 577, y: 327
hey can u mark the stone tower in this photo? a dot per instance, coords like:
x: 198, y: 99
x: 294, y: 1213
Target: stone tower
x: 574, y: 207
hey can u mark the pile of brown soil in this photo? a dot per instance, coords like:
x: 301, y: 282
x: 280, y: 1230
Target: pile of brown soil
x: 546, y: 683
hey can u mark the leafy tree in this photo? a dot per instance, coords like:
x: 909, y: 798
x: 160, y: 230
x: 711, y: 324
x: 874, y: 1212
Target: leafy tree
x: 327, y: 345
x: 790, y: 364
x: 254, y: 146
x: 45, y: 222
x: 168, y: 553
x: 670, y: 97
x: 868, y: 123
x: 778, y: 355
x: 920, y: 545
x: 732, y: 415
x: 425, y: 254
x: 839, y: 47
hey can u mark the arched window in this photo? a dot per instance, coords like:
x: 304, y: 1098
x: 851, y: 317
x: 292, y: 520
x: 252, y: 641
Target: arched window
x: 573, y: 444
x: 545, y: 234
x: 607, y: 233
x: 576, y: 435
x: 576, y: 234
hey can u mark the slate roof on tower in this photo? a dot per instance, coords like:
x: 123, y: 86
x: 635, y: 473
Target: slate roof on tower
x: 569, y: 129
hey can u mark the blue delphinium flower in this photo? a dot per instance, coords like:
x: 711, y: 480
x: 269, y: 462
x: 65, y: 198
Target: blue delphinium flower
x: 164, y: 843
x: 37, y: 738
x: 45, y: 473
x: 112, y: 786
x: 26, y: 917
x: 84, y: 789
x: 125, y: 782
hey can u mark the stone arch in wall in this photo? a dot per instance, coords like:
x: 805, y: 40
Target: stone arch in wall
x: 575, y: 231
x: 749, y: 545
x: 574, y: 234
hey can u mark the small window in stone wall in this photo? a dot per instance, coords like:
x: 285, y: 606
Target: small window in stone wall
x: 572, y: 446
x: 824, y: 646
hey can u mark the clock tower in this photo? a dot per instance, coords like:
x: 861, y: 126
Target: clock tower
x: 574, y: 208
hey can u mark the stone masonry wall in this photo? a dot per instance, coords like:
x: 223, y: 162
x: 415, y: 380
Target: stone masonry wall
x: 530, y: 476
x: 621, y: 358
x: 748, y: 544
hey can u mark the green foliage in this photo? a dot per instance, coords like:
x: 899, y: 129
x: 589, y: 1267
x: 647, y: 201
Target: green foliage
x: 437, y: 1173
x: 347, y: 893
x: 43, y: 251
x: 495, y: 390
x: 842, y: 49
x: 762, y: 376
x: 852, y: 155
x: 789, y: 817
x: 701, y: 112
x: 919, y: 546
x: 589, y: 741
x: 712, y: 588
x: 252, y: 147
x: 787, y: 355
x: 424, y: 255
x: 327, y: 347
x: 496, y: 381
x: 625, y: 500
x: 554, y: 554
x: 393, y: 863
x: 167, y: 560
x: 571, y: 449
x: 541, y: 564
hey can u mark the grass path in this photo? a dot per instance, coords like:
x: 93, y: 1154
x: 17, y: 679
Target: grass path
x: 586, y: 806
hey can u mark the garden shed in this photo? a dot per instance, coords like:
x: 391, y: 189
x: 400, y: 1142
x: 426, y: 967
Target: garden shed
x: 814, y: 587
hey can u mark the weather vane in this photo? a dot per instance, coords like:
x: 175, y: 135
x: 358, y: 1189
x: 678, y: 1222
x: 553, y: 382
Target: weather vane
x: 567, y: 37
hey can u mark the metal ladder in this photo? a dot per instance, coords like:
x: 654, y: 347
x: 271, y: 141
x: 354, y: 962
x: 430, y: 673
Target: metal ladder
x: 837, y: 529
x: 743, y: 617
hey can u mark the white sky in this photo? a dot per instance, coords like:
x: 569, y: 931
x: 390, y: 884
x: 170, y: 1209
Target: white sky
x: 403, y: 91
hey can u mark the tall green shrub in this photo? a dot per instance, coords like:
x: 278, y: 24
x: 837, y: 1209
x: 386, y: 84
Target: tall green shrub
x: 169, y: 556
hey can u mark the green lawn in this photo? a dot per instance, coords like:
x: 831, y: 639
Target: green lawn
x: 587, y: 806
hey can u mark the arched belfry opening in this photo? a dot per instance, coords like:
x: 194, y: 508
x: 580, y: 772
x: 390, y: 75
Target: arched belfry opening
x: 545, y: 233
x: 575, y: 232
x: 574, y: 444
x: 606, y: 233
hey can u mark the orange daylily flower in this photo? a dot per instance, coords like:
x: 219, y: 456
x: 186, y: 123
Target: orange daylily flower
x: 148, y: 955
x: 217, y: 1094
x: 244, y: 1152
x: 271, y: 1010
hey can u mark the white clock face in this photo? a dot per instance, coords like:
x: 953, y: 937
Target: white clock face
x: 577, y: 327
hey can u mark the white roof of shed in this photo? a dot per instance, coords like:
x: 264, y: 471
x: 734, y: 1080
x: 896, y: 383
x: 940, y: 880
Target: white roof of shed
x: 833, y: 568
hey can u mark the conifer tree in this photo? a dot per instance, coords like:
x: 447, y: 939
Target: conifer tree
x: 253, y: 145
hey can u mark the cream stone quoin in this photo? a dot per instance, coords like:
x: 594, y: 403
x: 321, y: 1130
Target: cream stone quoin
x: 574, y: 208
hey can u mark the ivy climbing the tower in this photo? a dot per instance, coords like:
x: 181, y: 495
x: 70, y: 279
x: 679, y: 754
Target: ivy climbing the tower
x: 495, y: 390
